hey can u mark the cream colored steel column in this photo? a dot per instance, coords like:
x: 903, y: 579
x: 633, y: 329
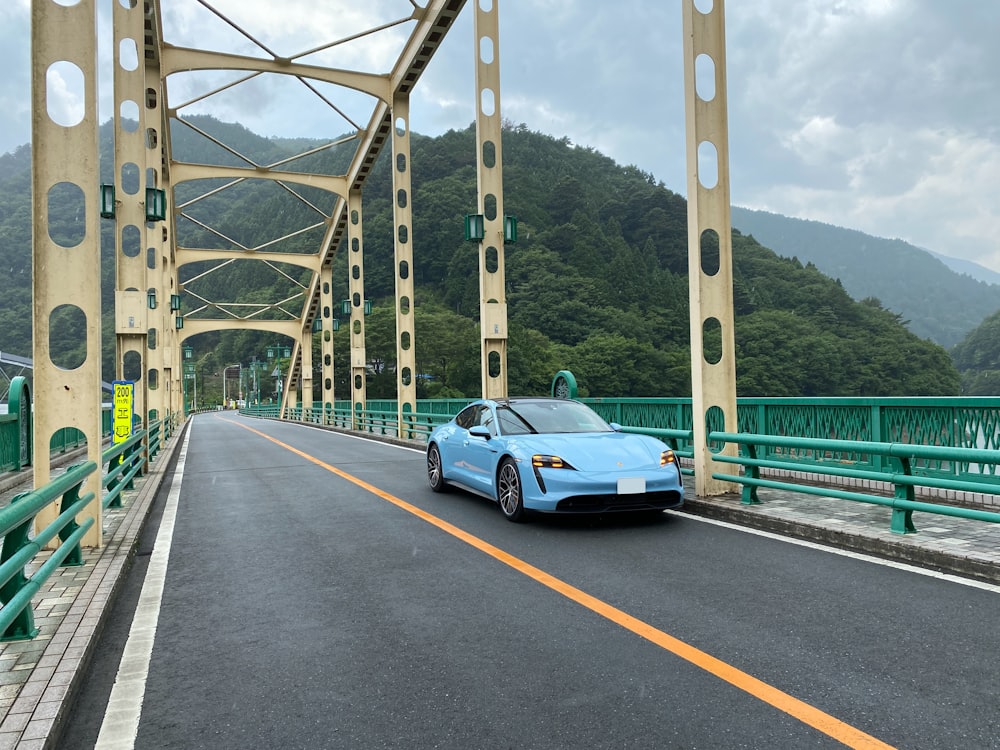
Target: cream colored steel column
x: 133, y: 316
x: 306, y: 345
x: 163, y: 368
x: 66, y: 276
x: 356, y: 284
x: 406, y: 362
x: 326, y: 338
x: 492, y: 291
x: 713, y: 383
x: 289, y: 398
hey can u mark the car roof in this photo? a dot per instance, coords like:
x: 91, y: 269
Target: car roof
x: 528, y: 399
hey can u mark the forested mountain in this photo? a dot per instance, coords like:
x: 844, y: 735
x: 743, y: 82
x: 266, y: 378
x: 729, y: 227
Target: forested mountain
x: 597, y: 282
x: 968, y: 268
x: 939, y: 302
x: 977, y: 357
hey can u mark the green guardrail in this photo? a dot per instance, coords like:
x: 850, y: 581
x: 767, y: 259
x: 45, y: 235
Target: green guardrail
x: 903, y: 479
x: 903, y: 466
x: 16, y: 520
x: 967, y: 423
x: 125, y: 461
x: 383, y: 422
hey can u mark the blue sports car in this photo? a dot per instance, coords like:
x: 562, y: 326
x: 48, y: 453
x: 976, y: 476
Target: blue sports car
x: 552, y: 455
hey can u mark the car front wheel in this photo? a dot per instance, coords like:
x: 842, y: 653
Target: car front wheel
x: 435, y: 476
x: 509, y: 491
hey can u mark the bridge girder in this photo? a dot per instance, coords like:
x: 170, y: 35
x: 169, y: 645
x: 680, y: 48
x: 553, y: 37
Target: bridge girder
x: 185, y: 59
x: 430, y: 24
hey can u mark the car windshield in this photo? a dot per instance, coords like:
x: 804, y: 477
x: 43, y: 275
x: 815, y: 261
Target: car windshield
x: 548, y: 417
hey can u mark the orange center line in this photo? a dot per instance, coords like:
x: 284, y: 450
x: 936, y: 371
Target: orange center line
x: 800, y: 710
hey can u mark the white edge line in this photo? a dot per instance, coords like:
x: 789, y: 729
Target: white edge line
x: 842, y: 552
x: 121, y: 719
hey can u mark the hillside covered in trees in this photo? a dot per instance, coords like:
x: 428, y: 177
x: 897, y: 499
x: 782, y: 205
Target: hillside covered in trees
x: 977, y: 357
x: 596, y: 283
x: 908, y: 280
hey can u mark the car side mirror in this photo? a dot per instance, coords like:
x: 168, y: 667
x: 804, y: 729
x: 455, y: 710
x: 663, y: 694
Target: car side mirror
x: 615, y: 426
x: 480, y: 431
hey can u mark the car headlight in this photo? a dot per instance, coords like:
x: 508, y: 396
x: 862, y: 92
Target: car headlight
x: 667, y: 457
x: 545, y: 461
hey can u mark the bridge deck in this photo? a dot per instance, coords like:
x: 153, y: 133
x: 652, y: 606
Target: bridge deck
x: 38, y: 676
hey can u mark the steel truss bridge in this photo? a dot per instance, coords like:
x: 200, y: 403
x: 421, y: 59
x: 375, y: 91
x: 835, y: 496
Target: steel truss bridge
x: 172, y: 258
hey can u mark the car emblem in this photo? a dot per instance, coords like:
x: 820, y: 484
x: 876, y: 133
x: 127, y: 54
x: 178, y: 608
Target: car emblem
x: 620, y: 463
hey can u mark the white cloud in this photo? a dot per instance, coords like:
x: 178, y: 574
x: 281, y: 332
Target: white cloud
x: 819, y: 140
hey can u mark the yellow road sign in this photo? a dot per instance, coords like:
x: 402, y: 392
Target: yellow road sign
x: 121, y: 421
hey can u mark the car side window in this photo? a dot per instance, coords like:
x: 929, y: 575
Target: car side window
x: 467, y: 417
x: 486, y: 420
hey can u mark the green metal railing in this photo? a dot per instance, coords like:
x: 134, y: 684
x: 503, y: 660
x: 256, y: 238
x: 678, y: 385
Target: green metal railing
x: 837, y: 437
x: 15, y: 456
x: 373, y: 420
x: 16, y: 520
x: 70, y: 438
x: 969, y: 424
x: 902, y: 477
x: 125, y: 461
x: 10, y: 442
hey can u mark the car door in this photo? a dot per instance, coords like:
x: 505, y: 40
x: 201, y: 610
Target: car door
x: 451, y: 443
x: 481, y: 453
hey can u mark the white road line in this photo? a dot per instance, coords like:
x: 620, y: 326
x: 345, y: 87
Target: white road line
x: 121, y: 720
x: 843, y: 552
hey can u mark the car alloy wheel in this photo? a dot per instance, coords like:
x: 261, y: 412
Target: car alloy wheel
x: 435, y: 476
x: 509, y: 491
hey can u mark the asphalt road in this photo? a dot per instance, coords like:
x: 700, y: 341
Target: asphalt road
x: 319, y: 595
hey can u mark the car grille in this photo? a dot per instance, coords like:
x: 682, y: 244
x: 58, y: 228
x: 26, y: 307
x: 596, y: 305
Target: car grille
x: 607, y: 503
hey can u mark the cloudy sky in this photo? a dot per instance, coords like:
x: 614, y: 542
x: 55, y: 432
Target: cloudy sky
x: 878, y: 115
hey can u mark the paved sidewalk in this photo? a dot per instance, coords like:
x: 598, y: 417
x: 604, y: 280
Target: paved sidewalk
x: 38, y: 678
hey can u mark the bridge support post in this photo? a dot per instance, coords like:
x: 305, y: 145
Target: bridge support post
x: 326, y: 339
x: 137, y: 299
x: 306, y: 368
x: 710, y: 263
x: 356, y: 284
x: 66, y: 262
x: 406, y: 360
x: 492, y: 287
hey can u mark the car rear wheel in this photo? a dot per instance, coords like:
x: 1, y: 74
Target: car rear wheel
x: 435, y: 476
x: 509, y: 491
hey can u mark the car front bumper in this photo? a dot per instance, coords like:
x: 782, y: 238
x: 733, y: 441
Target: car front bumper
x: 570, y: 491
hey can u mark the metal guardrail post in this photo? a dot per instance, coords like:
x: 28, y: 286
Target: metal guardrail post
x: 748, y: 495
x: 16, y: 540
x: 70, y: 528
x: 902, y: 517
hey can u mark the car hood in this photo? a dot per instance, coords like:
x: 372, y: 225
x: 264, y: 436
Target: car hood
x: 602, y: 451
